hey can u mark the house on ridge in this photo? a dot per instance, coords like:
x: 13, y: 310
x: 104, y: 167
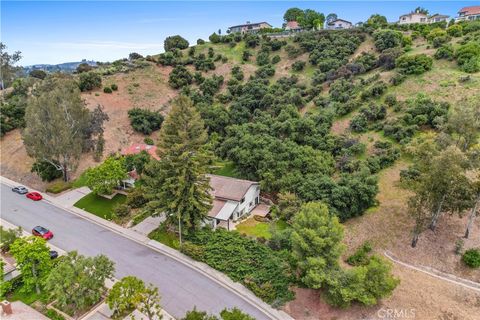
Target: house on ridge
x: 249, y: 27
x: 232, y: 199
x: 469, y: 13
x: 293, y: 26
x: 339, y: 24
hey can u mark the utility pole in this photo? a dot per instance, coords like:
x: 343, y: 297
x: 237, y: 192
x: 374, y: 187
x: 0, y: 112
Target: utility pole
x: 180, y: 230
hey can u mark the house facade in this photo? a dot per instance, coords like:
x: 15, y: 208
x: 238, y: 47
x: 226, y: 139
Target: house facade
x: 413, y: 17
x: 232, y: 200
x: 339, y: 24
x: 293, y: 26
x: 438, y: 18
x: 469, y: 13
x: 249, y: 27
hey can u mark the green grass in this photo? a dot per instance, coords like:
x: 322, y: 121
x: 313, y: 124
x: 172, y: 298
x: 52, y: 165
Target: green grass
x: 26, y: 297
x: 257, y: 229
x: 226, y: 169
x: 80, y: 181
x: 164, y: 236
x: 100, y: 206
x: 58, y: 186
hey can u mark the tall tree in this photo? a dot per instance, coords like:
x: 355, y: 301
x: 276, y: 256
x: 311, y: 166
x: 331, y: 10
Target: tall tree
x: 464, y: 123
x: 8, y: 68
x: 79, y: 281
x: 33, y: 261
x: 476, y: 206
x: 331, y: 17
x: 56, y: 119
x: 316, y: 242
x: 292, y: 14
x: 421, y: 10
x: 311, y: 19
x: 177, y: 185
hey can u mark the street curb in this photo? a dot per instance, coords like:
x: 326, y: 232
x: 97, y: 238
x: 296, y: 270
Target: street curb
x: 202, y: 268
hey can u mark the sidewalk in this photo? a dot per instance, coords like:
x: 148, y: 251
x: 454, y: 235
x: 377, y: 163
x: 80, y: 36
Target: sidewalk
x: 200, y: 267
x: 69, y: 198
x: 148, y: 225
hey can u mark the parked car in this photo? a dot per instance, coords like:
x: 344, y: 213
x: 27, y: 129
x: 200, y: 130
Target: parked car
x: 20, y: 190
x: 42, y: 232
x: 53, y: 254
x: 35, y: 196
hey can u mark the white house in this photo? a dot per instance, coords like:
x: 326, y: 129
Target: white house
x: 469, y: 13
x: 249, y: 27
x: 413, y: 17
x: 233, y: 199
x: 339, y: 24
x: 438, y: 18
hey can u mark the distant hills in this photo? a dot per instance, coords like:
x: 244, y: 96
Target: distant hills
x: 67, y: 67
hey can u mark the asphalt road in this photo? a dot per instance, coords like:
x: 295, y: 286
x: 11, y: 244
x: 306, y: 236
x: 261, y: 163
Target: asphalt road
x: 181, y: 287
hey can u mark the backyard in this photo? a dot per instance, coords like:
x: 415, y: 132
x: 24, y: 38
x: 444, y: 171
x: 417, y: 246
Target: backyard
x: 100, y: 206
x: 257, y: 229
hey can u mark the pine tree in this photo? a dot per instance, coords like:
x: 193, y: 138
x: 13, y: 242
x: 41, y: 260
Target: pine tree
x: 177, y: 185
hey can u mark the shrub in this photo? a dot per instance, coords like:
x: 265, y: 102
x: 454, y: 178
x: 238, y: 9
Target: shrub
x: 298, y: 66
x: 468, y: 57
x: 122, y: 210
x: 8, y: 237
x: 391, y: 100
x: 246, y: 55
x: 145, y: 121
x: 214, y: 38
x: 374, y: 91
x: 275, y: 59
x: 388, y: 58
x: 46, y: 171
x: 200, y: 41
x: 192, y: 250
x: 455, y: 30
x: 37, y: 73
x: 83, y: 67
x: 471, y: 258
x: 265, y: 71
x: 148, y: 141
x: 360, y: 256
x: 179, y: 77
x: 445, y: 52
x: 114, y: 87
x: 136, y: 198
x: 134, y: 56
x: 263, y: 58
x: 414, y: 64
x: 397, y: 79
x: 459, y: 246
x: 89, y: 81
x: 292, y: 51
x: 386, y: 39
x: 438, y: 37
x: 58, y: 186
x: 107, y: 90
x: 175, y: 42
x: 237, y: 73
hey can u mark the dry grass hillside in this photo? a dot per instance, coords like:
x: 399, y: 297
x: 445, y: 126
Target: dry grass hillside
x: 387, y: 226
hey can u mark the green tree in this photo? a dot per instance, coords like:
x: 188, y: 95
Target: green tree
x: 175, y: 42
x: 464, y: 123
x: 331, y: 17
x: 292, y: 14
x: 78, y: 281
x: 56, y: 119
x: 421, y: 10
x: 125, y: 295
x: 104, y: 178
x: 198, y: 315
x: 33, y: 261
x: 8, y: 69
x: 311, y: 19
x: 234, y: 314
x: 37, y: 73
x: 5, y: 286
x: 8, y: 236
x: 150, y: 303
x: 376, y: 21
x: 316, y: 242
x: 177, y: 184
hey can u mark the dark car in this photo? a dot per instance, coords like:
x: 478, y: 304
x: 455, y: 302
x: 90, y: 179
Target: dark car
x: 42, y: 232
x: 53, y: 254
x: 20, y: 190
x: 35, y: 196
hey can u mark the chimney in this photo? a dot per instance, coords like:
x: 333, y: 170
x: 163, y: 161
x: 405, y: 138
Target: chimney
x: 6, y: 307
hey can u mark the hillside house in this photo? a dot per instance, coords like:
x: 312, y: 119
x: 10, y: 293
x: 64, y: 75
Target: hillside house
x: 413, y: 17
x: 339, y: 24
x: 469, y: 13
x: 438, y: 18
x: 293, y: 26
x: 136, y: 148
x: 233, y: 199
x: 249, y: 27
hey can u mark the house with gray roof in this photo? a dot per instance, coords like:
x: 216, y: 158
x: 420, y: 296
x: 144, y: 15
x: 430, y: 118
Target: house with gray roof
x: 232, y: 199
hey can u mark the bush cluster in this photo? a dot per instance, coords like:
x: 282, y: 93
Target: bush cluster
x: 89, y: 81
x: 414, y: 64
x: 145, y: 121
x: 180, y: 77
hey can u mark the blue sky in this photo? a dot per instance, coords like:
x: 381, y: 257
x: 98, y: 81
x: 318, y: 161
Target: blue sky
x: 63, y: 31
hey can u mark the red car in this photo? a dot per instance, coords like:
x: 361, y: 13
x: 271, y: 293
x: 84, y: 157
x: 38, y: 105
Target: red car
x: 35, y: 196
x: 42, y: 232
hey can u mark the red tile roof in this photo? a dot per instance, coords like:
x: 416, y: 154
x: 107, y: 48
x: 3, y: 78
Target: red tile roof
x: 470, y: 10
x: 139, y: 147
x: 292, y: 25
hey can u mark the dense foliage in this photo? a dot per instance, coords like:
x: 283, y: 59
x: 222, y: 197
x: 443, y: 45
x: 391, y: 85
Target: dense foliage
x: 89, y: 81
x: 144, y: 120
x: 175, y: 42
x: 259, y: 268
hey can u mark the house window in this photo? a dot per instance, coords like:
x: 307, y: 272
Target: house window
x: 422, y: 19
x: 251, y: 203
x: 243, y: 200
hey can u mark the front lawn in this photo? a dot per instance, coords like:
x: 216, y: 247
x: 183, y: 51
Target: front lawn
x: 100, y: 206
x: 257, y: 229
x: 164, y: 236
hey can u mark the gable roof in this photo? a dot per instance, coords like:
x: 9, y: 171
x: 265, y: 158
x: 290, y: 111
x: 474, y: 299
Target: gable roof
x: 136, y: 148
x: 413, y: 13
x: 292, y: 25
x: 336, y: 20
x: 249, y: 24
x: 470, y: 10
x: 229, y: 188
x: 439, y: 15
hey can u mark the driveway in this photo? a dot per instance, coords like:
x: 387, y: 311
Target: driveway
x: 69, y: 198
x: 181, y: 287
